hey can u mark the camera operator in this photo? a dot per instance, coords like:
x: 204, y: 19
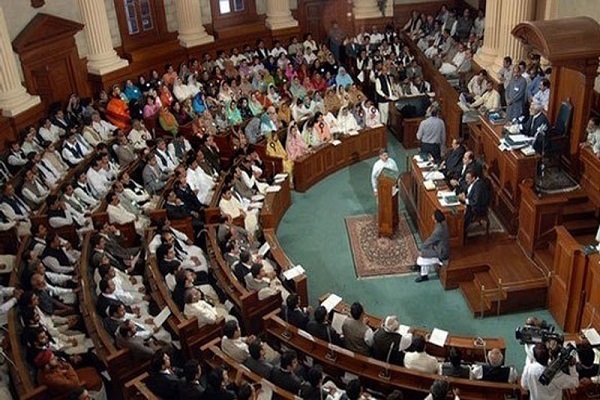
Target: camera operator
x: 539, y: 326
x: 533, y: 371
x: 586, y: 368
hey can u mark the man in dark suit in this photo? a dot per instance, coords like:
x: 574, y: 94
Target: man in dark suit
x: 293, y: 314
x: 537, y: 126
x: 474, y: 198
x: 458, y: 180
x: 256, y: 362
x: 163, y: 380
x: 388, y: 344
x: 106, y: 298
x: 453, y: 161
x: 436, y: 248
x: 319, y: 327
x: 191, y: 387
x: 242, y: 267
x: 284, y: 376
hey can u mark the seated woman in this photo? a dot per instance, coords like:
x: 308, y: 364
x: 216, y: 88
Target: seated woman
x: 272, y: 95
x: 275, y: 149
x: 346, y: 122
x: 321, y: 130
x: 295, y: 145
x: 167, y: 120
x: 198, y: 104
x: 132, y: 92
x: 343, y: 78
x: 297, y: 90
x: 117, y: 111
x: 180, y: 114
x: 225, y: 95
x: 181, y: 91
x: 372, y: 115
x: 332, y: 100
x: 152, y: 107
x: 254, y: 104
x: 233, y: 114
x: 244, y: 109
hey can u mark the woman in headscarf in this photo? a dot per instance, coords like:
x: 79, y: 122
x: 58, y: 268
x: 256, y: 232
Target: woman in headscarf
x: 245, y: 86
x: 151, y: 108
x: 198, y: 104
x: 284, y: 113
x: 273, y: 96
x: 244, y: 109
x: 332, y: 100
x: 303, y: 72
x: 346, y: 122
x: 222, y: 116
x: 225, y: 93
x: 290, y: 72
x: 321, y: 129
x: 319, y: 83
x: 295, y: 145
x: 233, y: 113
x: 155, y: 80
x: 297, y: 90
x: 275, y: 149
x: 166, y: 98
x: 355, y: 94
x: 343, y: 96
x: 308, y: 85
x: 372, y: 116
x: 132, y: 92
x: 258, y: 82
x: 181, y: 116
x: 254, y: 104
x: 180, y: 91
x: 143, y: 85
x: 331, y: 121
x: 268, y: 79
x: 343, y: 78
x: 167, y: 120
x: 117, y: 111
x: 280, y: 79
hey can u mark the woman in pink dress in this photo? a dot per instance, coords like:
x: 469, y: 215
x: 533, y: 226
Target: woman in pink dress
x: 294, y: 143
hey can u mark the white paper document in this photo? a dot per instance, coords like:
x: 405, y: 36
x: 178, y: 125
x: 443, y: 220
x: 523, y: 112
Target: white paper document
x: 331, y: 302
x: 336, y: 142
x: 337, y: 322
x: 266, y: 391
x: 281, y: 176
x: 162, y: 316
x: 519, y: 138
x: 273, y: 189
x: 592, y: 336
x: 403, y: 329
x: 264, y: 249
x: 435, y: 175
x: 256, y: 204
x: 257, y: 197
x: 438, y: 337
x: 293, y: 272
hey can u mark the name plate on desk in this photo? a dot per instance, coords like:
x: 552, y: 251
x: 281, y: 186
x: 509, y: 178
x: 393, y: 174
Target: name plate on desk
x: 340, y: 350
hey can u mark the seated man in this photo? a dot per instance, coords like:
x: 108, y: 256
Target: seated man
x: 15, y: 210
x: 164, y: 380
x: 537, y: 126
x: 586, y: 367
x: 418, y: 359
x: 154, y: 179
x: 320, y: 328
x: 388, y: 344
x: 488, y: 101
x: 141, y: 348
x: 293, y: 314
x: 475, y: 198
x: 454, y: 367
x: 435, y: 250
x: 236, y: 346
x: 452, y: 163
x: 358, y: 336
x: 205, y: 312
x: 117, y: 214
x: 458, y: 63
x: 494, y: 370
x: 33, y: 190
x: 256, y: 362
x: 593, y: 135
x: 284, y: 376
x: 266, y: 283
x: 232, y: 208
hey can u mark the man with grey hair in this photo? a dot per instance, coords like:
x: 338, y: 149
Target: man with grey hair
x: 388, y: 344
x: 494, y: 370
x: 432, y: 133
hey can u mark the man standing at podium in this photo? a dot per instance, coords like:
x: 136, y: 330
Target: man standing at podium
x: 384, y: 162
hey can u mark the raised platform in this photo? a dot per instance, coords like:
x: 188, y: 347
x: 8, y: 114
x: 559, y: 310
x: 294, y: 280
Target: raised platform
x: 495, y: 276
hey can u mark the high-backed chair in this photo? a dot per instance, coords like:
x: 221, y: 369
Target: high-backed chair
x: 558, y: 135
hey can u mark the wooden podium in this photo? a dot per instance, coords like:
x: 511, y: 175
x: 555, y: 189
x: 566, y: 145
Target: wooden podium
x: 387, y: 202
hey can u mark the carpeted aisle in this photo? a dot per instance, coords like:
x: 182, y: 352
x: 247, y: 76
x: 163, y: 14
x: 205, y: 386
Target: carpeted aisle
x: 313, y: 233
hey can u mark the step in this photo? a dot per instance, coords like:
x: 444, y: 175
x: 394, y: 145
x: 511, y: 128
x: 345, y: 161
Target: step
x: 579, y: 211
x: 471, y: 293
x: 576, y: 196
x: 581, y: 226
x: 545, y: 258
x: 486, y: 280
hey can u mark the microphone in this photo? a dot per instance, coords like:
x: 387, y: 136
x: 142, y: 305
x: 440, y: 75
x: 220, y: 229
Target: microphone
x: 330, y: 354
x: 385, y: 374
x: 287, y: 335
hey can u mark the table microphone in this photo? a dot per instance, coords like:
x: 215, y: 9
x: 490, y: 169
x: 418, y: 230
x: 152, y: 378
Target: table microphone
x: 385, y: 374
x: 287, y: 335
x: 330, y: 354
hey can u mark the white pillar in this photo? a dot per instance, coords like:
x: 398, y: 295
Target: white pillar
x: 513, y: 13
x: 279, y: 15
x: 189, y: 17
x: 102, y: 58
x: 486, y: 56
x: 364, y: 9
x: 14, y: 99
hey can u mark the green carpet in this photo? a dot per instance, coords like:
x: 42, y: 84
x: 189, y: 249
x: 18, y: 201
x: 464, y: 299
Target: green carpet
x: 314, y: 235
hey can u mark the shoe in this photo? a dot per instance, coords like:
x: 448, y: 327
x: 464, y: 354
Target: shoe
x: 422, y: 278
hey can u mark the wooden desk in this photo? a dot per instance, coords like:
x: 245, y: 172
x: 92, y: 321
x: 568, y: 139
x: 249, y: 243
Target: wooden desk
x: 421, y: 204
x: 590, y: 174
x: 471, y: 351
x: 328, y: 159
x: 404, y: 129
x: 506, y: 170
x: 275, y: 205
x: 375, y: 374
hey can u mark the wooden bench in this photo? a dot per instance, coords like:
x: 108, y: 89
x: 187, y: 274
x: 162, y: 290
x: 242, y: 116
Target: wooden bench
x: 375, y: 374
x: 119, y: 362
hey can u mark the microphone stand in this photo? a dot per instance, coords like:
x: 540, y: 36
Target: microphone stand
x: 287, y: 335
x: 330, y: 356
x: 385, y: 374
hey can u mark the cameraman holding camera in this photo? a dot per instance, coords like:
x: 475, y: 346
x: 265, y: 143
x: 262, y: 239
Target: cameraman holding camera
x: 530, y: 379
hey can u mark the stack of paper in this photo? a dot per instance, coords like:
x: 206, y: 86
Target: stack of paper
x: 592, y: 336
x: 336, y: 142
x: 438, y: 337
x: 337, y: 322
x: 424, y: 164
x: 433, y: 175
x: 331, y: 302
x: 273, y: 189
x: 403, y: 329
x: 281, y: 176
x: 291, y: 273
x: 429, y: 184
x: 256, y: 204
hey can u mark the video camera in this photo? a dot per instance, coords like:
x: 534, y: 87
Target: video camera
x: 530, y: 334
x: 561, y: 363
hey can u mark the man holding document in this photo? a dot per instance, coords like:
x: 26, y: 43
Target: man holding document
x: 384, y: 162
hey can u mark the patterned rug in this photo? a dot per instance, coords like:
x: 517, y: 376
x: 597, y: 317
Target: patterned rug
x: 374, y: 256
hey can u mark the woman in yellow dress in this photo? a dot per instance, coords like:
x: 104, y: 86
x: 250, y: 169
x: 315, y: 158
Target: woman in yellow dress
x: 275, y: 149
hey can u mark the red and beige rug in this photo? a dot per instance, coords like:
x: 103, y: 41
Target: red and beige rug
x: 374, y: 256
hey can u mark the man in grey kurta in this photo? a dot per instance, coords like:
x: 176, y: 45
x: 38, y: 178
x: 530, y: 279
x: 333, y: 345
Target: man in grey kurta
x: 436, y: 248
x: 516, y: 95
